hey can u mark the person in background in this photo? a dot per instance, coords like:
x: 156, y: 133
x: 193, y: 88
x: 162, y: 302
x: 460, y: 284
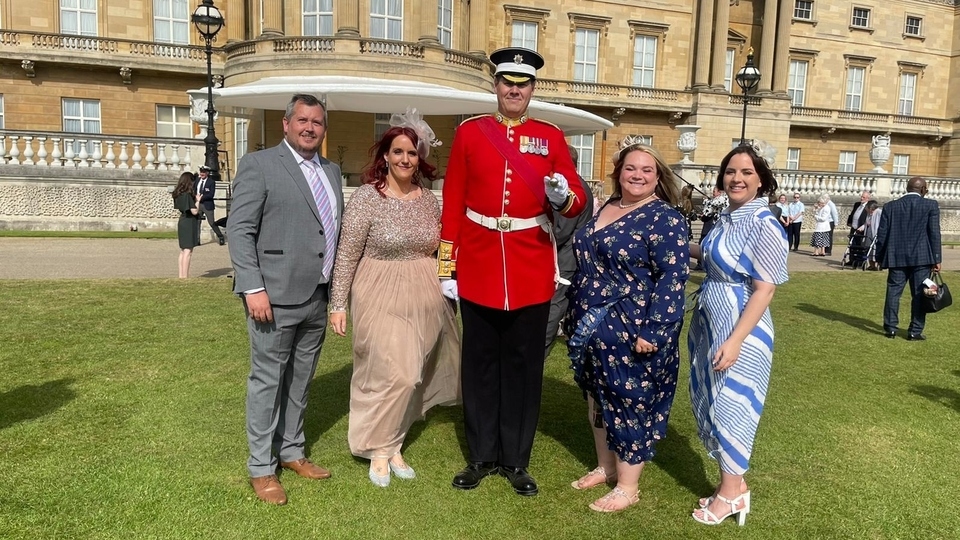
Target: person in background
x: 406, y: 341
x: 506, y: 174
x: 870, y: 228
x: 206, y: 189
x: 731, y: 334
x: 710, y: 212
x: 188, y: 225
x: 820, y: 239
x: 625, y: 318
x: 908, y: 245
x: 795, y: 220
x: 834, y: 219
x: 784, y: 217
x: 563, y: 231
x: 283, y: 228
x: 858, y: 215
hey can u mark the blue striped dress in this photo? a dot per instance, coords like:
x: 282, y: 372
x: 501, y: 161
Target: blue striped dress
x: 746, y: 244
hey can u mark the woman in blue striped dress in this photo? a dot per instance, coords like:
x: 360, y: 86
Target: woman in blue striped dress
x: 731, y: 334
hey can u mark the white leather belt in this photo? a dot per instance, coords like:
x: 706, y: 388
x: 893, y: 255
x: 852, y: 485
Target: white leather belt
x: 508, y: 224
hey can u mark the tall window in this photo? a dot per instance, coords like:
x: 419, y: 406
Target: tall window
x: 81, y: 116
x: 1, y: 112
x: 908, y: 89
x: 381, y: 123
x: 171, y: 21
x: 861, y: 17
x: 797, y: 82
x: 901, y: 164
x: 78, y: 17
x: 317, y: 18
x: 586, y: 55
x: 793, y: 159
x: 854, y: 96
x: 584, y: 146
x: 240, y: 140
x: 173, y: 121
x: 524, y: 35
x: 914, y: 26
x: 445, y: 22
x: 728, y: 70
x: 644, y: 61
x: 386, y: 19
x: 848, y: 161
x: 803, y: 9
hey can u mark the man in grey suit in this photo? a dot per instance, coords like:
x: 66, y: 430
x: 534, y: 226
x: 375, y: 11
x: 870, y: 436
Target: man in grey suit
x: 908, y: 244
x: 283, y: 228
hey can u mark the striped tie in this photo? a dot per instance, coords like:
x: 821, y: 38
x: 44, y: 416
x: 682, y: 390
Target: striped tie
x: 326, y: 215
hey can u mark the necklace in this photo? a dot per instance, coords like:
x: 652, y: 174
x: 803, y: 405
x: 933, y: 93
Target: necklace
x: 641, y: 201
x: 398, y: 196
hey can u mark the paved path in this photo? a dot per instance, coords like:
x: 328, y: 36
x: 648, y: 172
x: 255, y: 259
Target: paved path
x: 58, y: 258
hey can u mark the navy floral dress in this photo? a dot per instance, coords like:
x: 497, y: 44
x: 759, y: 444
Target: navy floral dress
x: 629, y: 284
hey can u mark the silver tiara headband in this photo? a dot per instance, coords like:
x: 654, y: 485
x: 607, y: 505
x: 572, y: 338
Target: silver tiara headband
x: 413, y: 119
x: 629, y: 142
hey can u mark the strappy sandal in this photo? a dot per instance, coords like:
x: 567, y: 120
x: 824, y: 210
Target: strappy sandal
x: 705, y: 516
x: 619, y: 494
x: 704, y: 502
x: 594, y: 478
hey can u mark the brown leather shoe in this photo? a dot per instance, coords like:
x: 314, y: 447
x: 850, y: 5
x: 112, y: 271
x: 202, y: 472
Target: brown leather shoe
x: 306, y: 468
x: 268, y: 489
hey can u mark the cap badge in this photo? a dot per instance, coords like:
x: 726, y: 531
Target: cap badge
x: 518, y: 59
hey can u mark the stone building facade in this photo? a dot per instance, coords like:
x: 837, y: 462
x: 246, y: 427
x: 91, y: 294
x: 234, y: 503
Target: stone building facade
x: 834, y: 76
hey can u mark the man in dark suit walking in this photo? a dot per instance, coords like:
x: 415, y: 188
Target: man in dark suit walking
x: 283, y: 227
x: 207, y: 188
x: 908, y: 244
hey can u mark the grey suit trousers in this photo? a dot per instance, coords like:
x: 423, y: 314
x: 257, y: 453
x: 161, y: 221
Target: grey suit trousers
x: 283, y: 359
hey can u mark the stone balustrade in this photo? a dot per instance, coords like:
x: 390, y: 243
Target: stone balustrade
x: 85, y: 150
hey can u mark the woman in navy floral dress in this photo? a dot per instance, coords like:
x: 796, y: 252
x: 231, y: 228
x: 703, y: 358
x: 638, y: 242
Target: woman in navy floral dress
x: 625, y: 317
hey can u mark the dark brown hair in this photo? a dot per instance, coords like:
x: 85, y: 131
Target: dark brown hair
x: 768, y: 182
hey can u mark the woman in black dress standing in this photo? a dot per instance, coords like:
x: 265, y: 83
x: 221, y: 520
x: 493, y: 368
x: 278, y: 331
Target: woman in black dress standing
x: 188, y: 227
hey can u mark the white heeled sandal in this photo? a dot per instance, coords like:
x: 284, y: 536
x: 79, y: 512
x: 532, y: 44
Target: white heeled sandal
x: 705, y: 501
x: 709, y: 518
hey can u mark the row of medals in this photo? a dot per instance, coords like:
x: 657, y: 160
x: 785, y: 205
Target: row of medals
x: 533, y: 145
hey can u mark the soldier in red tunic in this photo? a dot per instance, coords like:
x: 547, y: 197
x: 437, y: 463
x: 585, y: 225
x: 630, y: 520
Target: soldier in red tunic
x: 506, y: 178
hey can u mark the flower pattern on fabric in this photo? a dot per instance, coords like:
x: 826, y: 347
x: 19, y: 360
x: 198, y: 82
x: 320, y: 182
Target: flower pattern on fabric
x: 629, y: 284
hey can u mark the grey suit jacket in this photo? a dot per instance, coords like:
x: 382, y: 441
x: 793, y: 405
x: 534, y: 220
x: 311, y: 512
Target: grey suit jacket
x: 276, y: 238
x: 909, y: 233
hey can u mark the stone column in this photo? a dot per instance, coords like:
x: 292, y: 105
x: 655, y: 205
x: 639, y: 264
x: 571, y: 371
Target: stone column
x: 701, y: 70
x: 767, y: 44
x: 348, y: 18
x: 719, y: 52
x: 478, y: 27
x: 272, y: 18
x: 235, y: 27
x: 428, y: 22
x: 781, y: 64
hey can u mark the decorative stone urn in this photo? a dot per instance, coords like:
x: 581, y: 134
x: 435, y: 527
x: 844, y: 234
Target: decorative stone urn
x: 198, y: 110
x: 687, y: 142
x: 880, y: 152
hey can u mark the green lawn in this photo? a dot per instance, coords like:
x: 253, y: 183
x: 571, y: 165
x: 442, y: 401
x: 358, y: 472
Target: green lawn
x: 122, y: 416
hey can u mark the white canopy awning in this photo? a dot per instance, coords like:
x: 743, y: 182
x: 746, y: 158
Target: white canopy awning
x: 370, y: 95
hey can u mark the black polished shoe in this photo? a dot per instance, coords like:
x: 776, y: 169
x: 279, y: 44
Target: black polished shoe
x: 473, y: 473
x: 916, y: 337
x: 222, y: 241
x: 520, y: 479
x: 890, y: 334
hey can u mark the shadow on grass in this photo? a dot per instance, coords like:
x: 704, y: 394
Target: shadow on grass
x: 34, y: 401
x: 680, y: 457
x: 218, y: 272
x: 329, y: 402
x: 944, y: 396
x: 851, y: 320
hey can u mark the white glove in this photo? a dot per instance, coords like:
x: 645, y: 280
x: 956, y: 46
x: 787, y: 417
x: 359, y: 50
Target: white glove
x: 449, y: 289
x: 557, y: 189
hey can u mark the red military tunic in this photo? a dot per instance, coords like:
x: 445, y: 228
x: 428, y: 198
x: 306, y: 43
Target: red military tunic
x: 502, y: 270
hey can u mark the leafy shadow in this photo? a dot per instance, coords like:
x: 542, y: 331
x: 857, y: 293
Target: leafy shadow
x: 34, y: 401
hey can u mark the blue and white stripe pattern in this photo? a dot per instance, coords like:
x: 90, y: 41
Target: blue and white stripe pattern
x: 747, y: 244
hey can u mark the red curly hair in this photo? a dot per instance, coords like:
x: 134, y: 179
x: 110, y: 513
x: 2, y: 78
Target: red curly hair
x: 376, y: 172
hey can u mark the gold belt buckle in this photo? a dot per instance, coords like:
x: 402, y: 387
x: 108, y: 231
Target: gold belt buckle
x: 504, y: 224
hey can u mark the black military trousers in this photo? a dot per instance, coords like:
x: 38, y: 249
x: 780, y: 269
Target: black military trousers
x: 502, y: 378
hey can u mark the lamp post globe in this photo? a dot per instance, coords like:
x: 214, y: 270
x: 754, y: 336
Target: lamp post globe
x: 209, y: 21
x: 747, y: 79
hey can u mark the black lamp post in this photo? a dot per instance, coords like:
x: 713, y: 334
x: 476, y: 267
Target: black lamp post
x: 208, y: 20
x: 747, y: 79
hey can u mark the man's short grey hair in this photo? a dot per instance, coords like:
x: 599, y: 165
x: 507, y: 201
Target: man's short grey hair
x: 309, y: 100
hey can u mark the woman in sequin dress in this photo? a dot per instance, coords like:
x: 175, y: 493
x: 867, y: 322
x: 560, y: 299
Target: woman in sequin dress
x: 625, y: 317
x: 731, y: 332
x: 406, y: 341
